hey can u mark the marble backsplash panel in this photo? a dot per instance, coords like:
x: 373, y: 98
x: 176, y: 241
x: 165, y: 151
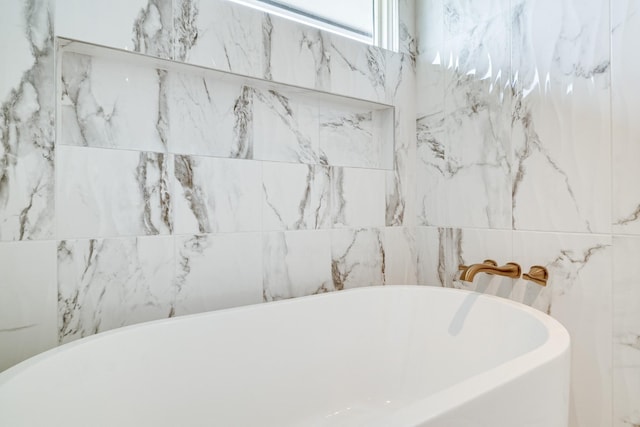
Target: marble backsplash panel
x: 271, y: 48
x: 272, y: 173
x: 149, y: 160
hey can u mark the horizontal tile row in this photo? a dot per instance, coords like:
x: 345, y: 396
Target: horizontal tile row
x: 232, y: 37
x: 111, y: 193
x: 113, y: 103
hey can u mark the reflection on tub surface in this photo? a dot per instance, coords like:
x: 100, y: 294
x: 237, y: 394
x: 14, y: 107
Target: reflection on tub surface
x: 377, y: 356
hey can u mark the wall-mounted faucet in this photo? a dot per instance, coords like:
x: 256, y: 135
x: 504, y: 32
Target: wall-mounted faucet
x: 510, y: 269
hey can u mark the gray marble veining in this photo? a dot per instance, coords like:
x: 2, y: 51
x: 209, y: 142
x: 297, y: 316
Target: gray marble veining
x: 153, y: 29
x: 27, y: 127
x: 112, y: 104
x: 357, y: 258
x: 105, y: 284
x: 296, y: 263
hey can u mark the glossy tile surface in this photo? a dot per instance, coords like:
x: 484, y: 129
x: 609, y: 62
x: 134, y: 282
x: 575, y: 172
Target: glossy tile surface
x: 178, y: 192
x: 578, y: 294
x: 626, y: 331
x: 28, y: 298
x: 111, y: 104
x: 213, y: 195
x: 216, y: 271
x: 357, y: 257
x: 562, y: 124
x: 296, y: 197
x: 27, y: 117
x: 296, y: 263
x: 108, y: 283
x: 109, y: 193
x: 625, y: 33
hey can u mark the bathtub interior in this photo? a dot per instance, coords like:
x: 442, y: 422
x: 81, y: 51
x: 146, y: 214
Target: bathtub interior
x: 324, y: 360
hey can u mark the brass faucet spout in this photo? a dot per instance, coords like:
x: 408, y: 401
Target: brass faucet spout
x: 510, y: 269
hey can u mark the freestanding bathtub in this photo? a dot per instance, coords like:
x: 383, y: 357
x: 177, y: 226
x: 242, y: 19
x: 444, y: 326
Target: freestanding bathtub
x: 378, y: 356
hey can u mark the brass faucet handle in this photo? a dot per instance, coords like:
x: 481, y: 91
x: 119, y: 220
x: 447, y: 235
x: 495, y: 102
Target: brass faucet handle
x: 537, y: 274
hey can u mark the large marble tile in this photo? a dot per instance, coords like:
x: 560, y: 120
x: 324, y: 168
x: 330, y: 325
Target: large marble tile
x: 429, y: 247
x: 476, y: 129
x: 401, y: 262
x: 402, y: 150
x: 27, y: 300
x: 407, y: 27
x: 432, y: 168
x: 626, y: 394
x: 108, y: 193
x: 285, y: 128
x: 298, y: 54
x: 463, y: 128
x: 111, y: 103
x: 144, y: 26
x: 357, y: 257
x: 347, y: 139
x: 429, y: 25
x: 358, y: 197
x: 626, y: 330
x: 220, y: 34
x: 578, y: 294
x: 109, y: 283
x: 625, y: 104
x: 357, y: 69
x: 27, y: 117
x: 469, y: 17
x: 296, y: 263
x: 208, y: 116
x: 295, y: 197
x: 215, y: 271
x: 216, y: 195
x: 561, y: 117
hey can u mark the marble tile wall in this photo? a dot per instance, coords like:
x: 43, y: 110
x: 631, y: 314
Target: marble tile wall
x: 28, y: 289
x: 526, y: 128
x: 145, y: 192
x: 625, y: 131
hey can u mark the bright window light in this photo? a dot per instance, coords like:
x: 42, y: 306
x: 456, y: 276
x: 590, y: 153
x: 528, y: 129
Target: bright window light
x: 369, y: 21
x: 353, y: 15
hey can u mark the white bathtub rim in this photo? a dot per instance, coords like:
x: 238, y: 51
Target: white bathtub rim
x: 456, y: 395
x: 557, y: 342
